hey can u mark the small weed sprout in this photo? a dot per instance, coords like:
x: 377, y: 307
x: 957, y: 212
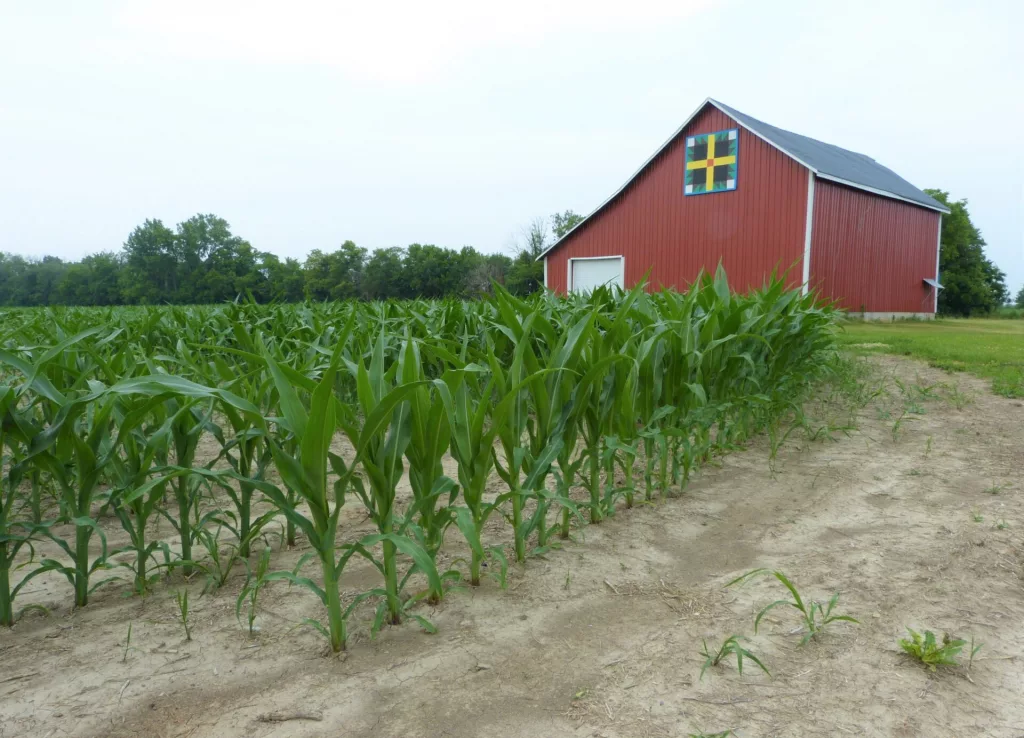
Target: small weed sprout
x: 251, y: 591
x: 182, y: 599
x: 815, y: 615
x: 927, y: 650
x: 128, y: 645
x: 928, y: 446
x: 897, y: 426
x: 723, y: 734
x: 1001, y: 524
x: 976, y: 516
x: 974, y: 652
x: 995, y: 489
x: 730, y: 645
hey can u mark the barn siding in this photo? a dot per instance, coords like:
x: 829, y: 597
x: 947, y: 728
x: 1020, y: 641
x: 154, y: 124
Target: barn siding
x: 871, y: 253
x: 752, y: 230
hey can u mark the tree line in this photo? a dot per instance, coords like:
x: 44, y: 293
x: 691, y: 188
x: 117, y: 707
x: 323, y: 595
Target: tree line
x: 201, y: 261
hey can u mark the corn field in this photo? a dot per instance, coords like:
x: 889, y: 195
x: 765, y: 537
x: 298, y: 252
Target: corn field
x: 554, y: 413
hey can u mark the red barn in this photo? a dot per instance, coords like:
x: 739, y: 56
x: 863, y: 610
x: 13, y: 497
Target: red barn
x: 728, y: 188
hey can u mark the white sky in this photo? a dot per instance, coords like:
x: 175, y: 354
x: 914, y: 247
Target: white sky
x: 304, y: 123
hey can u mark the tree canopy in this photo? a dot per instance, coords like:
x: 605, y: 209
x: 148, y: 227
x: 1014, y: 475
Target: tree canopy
x: 201, y: 261
x: 971, y: 283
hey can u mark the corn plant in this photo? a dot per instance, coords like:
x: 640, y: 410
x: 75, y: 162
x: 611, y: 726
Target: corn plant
x: 429, y: 515
x: 15, y: 435
x: 731, y: 646
x: 815, y: 616
x: 305, y: 474
x: 106, y: 411
x: 472, y: 447
x: 187, y: 424
x: 76, y: 454
x: 134, y: 500
x: 380, y: 453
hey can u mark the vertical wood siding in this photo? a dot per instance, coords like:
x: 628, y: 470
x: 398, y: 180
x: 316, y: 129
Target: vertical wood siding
x: 872, y: 253
x: 752, y: 230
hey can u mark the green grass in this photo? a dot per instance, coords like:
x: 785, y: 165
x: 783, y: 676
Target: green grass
x: 988, y: 348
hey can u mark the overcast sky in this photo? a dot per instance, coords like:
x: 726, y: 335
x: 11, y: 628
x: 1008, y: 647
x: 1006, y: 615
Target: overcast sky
x: 305, y: 123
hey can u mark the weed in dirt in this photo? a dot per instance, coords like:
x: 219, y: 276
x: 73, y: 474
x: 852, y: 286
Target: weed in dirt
x: 723, y: 734
x: 730, y: 645
x: 128, y: 647
x: 914, y: 473
x: 568, y: 578
x: 973, y: 653
x: 581, y: 694
x: 995, y: 489
x: 1001, y: 524
x: 251, y: 591
x: 957, y: 398
x: 976, y: 516
x: 883, y: 413
x: 181, y: 598
x: 928, y: 446
x: 897, y: 426
x: 927, y: 650
x: 815, y: 615
x: 221, y: 557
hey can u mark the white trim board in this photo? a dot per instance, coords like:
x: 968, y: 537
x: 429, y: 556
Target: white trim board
x: 938, y: 252
x: 808, y: 229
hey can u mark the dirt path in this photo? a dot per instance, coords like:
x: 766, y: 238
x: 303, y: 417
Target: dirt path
x: 601, y: 639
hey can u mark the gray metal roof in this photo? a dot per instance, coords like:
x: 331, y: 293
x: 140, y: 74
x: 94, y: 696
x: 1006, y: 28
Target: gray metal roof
x: 825, y: 160
x: 832, y: 162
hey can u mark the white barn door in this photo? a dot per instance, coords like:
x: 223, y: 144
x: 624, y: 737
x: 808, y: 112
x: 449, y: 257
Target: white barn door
x: 588, y: 273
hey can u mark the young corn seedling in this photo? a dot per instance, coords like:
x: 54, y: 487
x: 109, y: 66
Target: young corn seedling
x: 926, y: 649
x: 730, y: 646
x: 815, y: 616
x: 181, y: 598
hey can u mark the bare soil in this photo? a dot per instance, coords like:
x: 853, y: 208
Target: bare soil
x: 602, y: 637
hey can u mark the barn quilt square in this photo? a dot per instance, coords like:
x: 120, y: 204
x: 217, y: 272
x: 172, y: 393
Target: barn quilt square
x: 711, y: 162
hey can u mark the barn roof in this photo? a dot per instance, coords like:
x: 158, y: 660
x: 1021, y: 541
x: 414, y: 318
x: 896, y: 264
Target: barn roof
x: 825, y: 160
x: 834, y: 163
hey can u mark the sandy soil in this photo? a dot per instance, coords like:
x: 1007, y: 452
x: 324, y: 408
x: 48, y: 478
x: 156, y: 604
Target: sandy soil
x: 602, y: 638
